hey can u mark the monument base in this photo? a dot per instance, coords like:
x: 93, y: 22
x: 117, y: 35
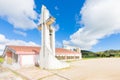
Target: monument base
x: 54, y: 63
x: 51, y: 62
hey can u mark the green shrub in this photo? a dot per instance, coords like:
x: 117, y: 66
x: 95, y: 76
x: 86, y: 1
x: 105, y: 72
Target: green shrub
x: 1, y: 60
x: 117, y: 55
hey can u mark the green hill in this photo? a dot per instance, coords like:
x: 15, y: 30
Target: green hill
x: 106, y: 53
x: 88, y: 54
x: 109, y: 53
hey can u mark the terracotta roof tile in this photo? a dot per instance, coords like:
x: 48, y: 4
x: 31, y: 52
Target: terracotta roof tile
x: 35, y: 50
x: 64, y: 51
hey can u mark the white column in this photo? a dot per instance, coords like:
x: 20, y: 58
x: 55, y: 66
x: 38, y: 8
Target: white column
x: 47, y: 58
x: 52, y: 40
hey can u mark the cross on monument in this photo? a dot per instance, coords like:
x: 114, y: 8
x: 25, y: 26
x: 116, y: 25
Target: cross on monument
x: 47, y: 59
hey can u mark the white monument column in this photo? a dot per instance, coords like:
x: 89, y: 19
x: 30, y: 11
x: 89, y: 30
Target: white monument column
x: 52, y: 39
x: 47, y: 59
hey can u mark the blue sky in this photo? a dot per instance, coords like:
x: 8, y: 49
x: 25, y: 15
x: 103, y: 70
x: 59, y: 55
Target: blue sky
x: 88, y: 24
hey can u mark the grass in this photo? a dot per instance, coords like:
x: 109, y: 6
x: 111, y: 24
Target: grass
x: 1, y: 60
x: 97, y: 58
x: 90, y: 58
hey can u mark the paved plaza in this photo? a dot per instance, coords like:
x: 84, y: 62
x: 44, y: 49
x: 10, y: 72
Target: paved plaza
x: 91, y: 69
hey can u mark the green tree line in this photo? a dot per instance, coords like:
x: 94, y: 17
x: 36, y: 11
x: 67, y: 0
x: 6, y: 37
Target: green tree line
x: 107, y: 53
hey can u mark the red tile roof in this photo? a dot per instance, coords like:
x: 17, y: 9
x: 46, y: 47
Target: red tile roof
x: 35, y: 50
x: 64, y: 51
x: 25, y: 49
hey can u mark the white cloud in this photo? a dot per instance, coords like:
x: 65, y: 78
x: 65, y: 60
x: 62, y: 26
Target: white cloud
x: 77, y: 18
x: 4, y: 41
x: 56, y: 8
x: 56, y: 26
x: 20, y: 33
x: 100, y: 18
x: 58, y: 44
x: 19, y: 13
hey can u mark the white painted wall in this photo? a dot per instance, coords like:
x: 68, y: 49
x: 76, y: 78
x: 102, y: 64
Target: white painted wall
x: 27, y: 60
x: 72, y: 48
